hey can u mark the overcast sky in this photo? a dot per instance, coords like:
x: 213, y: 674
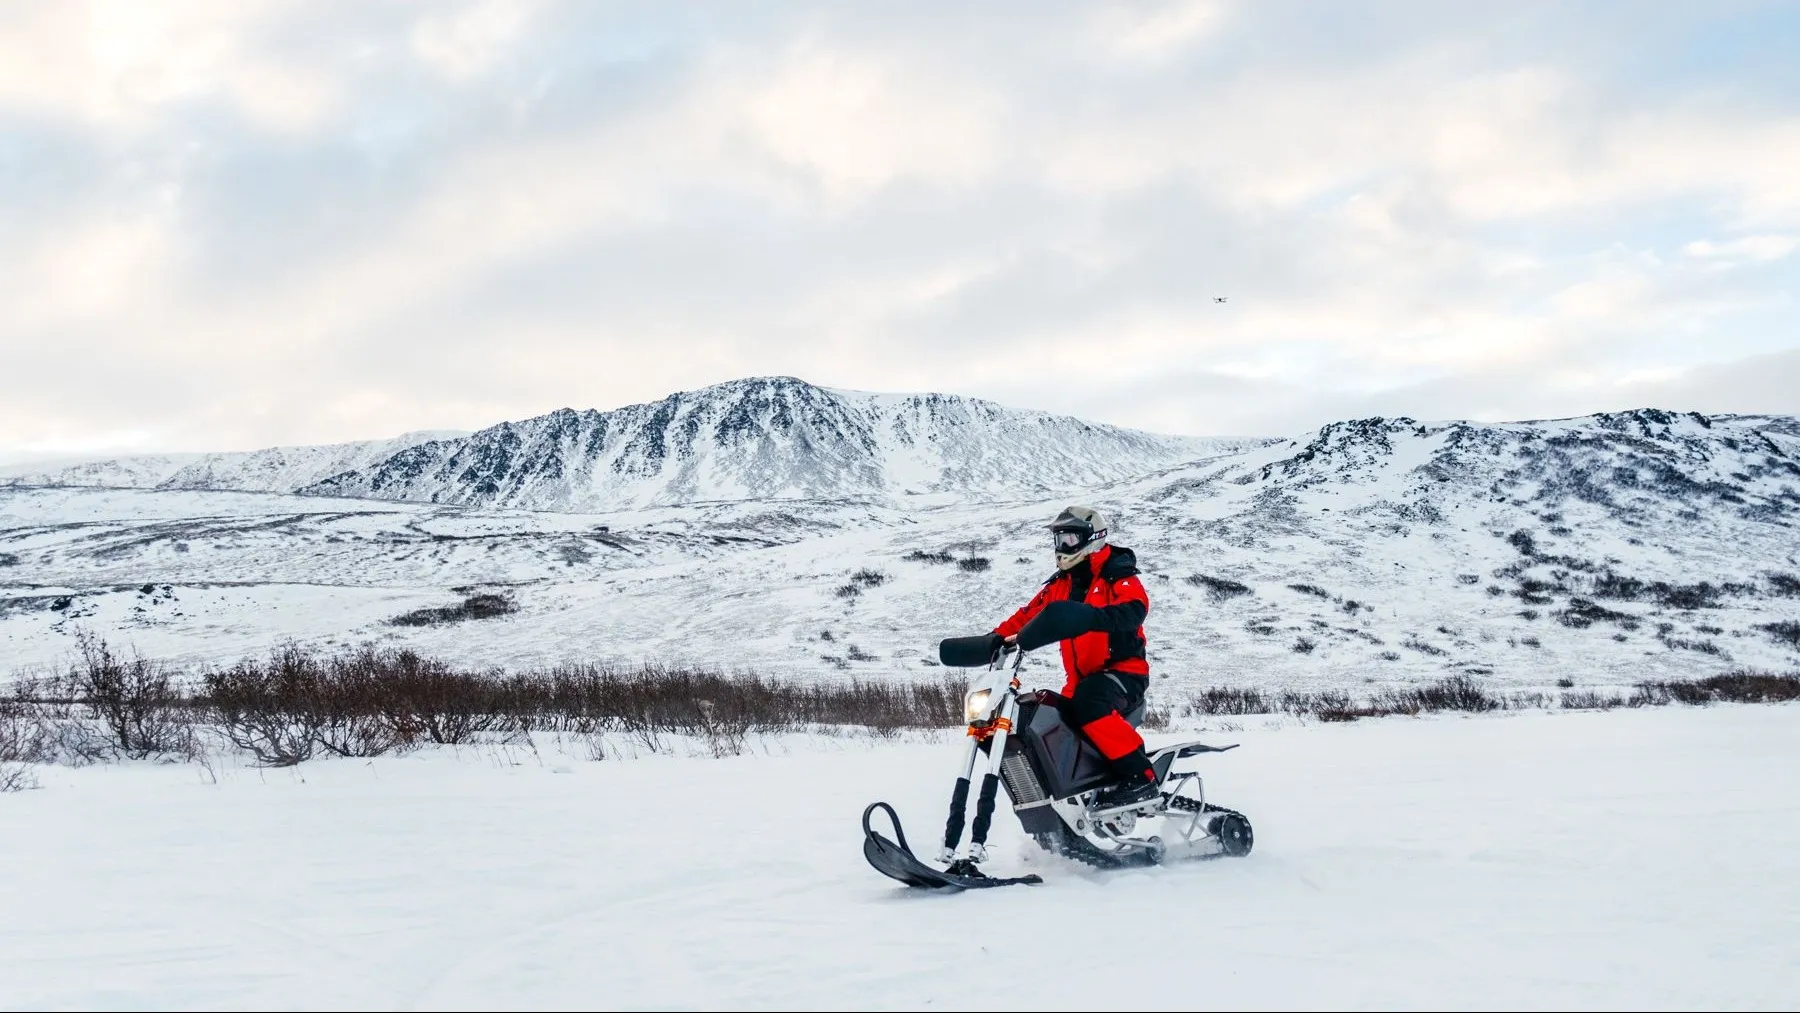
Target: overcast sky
x: 230, y: 225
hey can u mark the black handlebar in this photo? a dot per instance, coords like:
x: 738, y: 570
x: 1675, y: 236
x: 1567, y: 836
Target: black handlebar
x: 970, y: 652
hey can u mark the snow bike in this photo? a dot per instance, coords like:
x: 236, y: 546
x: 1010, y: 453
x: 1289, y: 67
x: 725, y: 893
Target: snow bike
x: 1052, y: 775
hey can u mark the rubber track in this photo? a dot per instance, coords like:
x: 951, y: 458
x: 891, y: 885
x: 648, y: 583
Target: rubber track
x: 1186, y: 804
x: 1069, y: 844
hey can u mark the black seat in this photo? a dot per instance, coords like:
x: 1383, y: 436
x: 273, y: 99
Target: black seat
x: 1160, y: 766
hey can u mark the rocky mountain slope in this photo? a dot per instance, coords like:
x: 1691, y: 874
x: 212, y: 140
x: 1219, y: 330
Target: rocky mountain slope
x: 766, y: 439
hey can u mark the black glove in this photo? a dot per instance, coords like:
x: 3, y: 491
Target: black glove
x: 1059, y: 620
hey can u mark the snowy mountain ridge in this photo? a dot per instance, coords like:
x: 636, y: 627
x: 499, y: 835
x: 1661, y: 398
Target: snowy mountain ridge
x: 275, y: 469
x: 760, y: 438
x: 768, y: 438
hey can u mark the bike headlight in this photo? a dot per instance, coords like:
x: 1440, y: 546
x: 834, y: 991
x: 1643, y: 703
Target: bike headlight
x: 976, y: 703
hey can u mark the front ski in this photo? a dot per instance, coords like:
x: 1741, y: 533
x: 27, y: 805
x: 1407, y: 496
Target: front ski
x: 894, y: 859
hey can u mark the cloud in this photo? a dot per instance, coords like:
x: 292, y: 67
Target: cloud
x: 1261, y: 406
x: 236, y: 225
x: 1155, y: 31
x: 1756, y: 249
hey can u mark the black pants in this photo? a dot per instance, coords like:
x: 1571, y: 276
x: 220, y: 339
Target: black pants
x: 1104, y: 692
x: 1098, y: 708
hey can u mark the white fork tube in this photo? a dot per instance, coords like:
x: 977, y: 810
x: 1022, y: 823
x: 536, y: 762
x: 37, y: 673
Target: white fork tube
x: 959, y: 804
x: 1008, y: 712
x: 990, y: 783
x: 967, y: 769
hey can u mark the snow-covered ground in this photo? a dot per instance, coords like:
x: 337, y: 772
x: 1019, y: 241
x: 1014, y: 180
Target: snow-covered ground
x: 1639, y: 860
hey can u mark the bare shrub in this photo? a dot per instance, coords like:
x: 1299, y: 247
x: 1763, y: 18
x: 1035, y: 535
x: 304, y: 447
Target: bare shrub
x: 848, y: 592
x: 1218, y: 588
x: 364, y: 703
x: 475, y: 606
x: 1583, y: 613
x: 1522, y: 541
x: 1457, y: 693
x: 1462, y: 693
x: 1785, y: 632
x: 1155, y: 719
x: 1312, y: 589
x: 23, y: 735
x: 1534, y: 592
x: 1753, y: 687
x: 361, y: 707
x: 1686, y: 596
x: 1698, y: 646
x: 866, y: 577
x: 921, y: 556
x: 22, y: 742
x: 1786, y: 585
x: 1748, y: 686
x: 423, y: 699
x: 974, y: 564
x: 1304, y: 645
x: 1325, y: 704
x: 1228, y: 700
x: 1590, y: 700
x: 16, y: 777
x: 139, y: 709
x: 1611, y: 585
x: 653, y: 701
x: 1412, y: 643
x: 273, y: 711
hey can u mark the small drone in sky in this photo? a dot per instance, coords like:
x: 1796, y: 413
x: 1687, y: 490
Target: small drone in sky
x: 1220, y: 298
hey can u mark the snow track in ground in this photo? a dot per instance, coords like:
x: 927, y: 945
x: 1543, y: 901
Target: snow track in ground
x: 1575, y: 860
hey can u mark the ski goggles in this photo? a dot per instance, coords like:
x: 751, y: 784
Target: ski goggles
x: 1069, y: 539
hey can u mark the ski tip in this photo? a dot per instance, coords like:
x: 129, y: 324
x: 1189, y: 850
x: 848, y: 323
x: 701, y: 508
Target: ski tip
x: 895, y: 860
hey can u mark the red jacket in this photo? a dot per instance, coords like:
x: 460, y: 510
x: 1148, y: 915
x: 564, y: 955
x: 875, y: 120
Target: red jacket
x: 1110, y: 581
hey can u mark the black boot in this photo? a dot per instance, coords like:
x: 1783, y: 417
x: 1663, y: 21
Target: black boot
x: 1137, y: 786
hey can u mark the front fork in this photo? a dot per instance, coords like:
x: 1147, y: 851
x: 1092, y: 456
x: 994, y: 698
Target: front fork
x: 994, y: 735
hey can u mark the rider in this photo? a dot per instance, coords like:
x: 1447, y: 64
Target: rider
x: 1107, y: 671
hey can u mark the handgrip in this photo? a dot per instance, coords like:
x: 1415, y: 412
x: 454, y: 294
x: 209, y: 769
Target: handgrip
x: 969, y: 652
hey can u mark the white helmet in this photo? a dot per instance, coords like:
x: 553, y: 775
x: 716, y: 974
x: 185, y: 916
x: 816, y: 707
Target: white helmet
x: 1076, y: 532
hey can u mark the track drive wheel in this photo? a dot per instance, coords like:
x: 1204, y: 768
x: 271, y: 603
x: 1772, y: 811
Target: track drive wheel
x: 1235, y: 834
